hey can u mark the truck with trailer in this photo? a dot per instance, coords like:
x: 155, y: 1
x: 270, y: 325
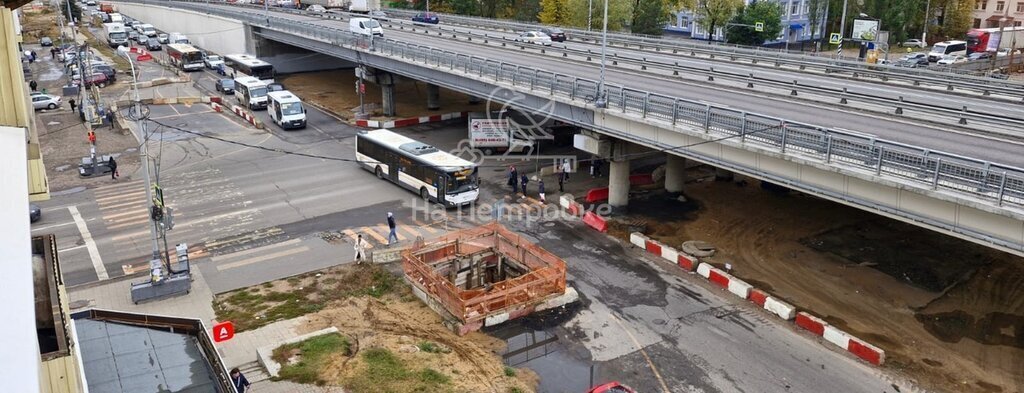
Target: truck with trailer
x: 324, y: 3
x: 995, y: 39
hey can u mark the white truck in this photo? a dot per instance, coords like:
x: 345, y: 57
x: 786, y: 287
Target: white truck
x: 286, y: 110
x: 495, y: 134
x: 364, y: 6
x: 116, y: 18
x: 177, y: 38
x: 116, y: 34
x: 324, y: 3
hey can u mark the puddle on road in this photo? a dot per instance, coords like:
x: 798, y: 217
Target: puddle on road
x: 536, y: 342
x: 50, y: 74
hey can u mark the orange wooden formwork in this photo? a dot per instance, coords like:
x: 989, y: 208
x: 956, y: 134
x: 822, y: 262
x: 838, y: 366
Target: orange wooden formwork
x: 546, y: 276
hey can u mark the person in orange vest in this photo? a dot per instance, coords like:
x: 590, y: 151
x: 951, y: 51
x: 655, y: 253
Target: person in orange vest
x: 92, y: 137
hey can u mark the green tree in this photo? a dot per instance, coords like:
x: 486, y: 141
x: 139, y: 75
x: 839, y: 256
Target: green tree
x: 767, y: 12
x: 553, y: 12
x: 712, y: 14
x: 956, y: 17
x: 465, y: 7
x: 75, y: 11
x: 815, y: 13
x: 649, y: 17
x: 620, y: 12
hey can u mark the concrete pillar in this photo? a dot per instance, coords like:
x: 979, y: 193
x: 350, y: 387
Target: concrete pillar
x: 387, y: 97
x: 473, y: 100
x: 723, y: 174
x: 433, y: 97
x: 675, y: 173
x: 618, y: 184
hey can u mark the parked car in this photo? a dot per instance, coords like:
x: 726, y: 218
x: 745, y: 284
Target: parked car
x: 952, y: 59
x: 611, y: 387
x: 913, y: 60
x: 107, y: 70
x: 913, y: 43
x: 213, y: 61
x: 316, y: 9
x: 45, y: 101
x: 555, y: 33
x: 979, y: 56
x: 426, y: 17
x: 163, y: 38
x: 226, y: 86
x: 97, y: 79
x: 534, y: 37
x: 154, y: 44
x: 34, y: 212
x: 45, y: 41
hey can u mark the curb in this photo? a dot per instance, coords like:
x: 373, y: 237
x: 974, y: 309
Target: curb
x: 410, y: 121
x: 781, y: 309
x: 247, y: 116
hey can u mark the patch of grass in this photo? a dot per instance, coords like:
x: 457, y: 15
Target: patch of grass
x: 268, y: 284
x: 313, y: 354
x: 385, y: 372
x: 515, y: 389
x: 429, y: 347
x: 510, y: 372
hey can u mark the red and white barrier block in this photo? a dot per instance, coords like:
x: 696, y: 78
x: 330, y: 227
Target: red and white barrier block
x: 856, y: 346
x: 410, y: 121
x: 725, y: 280
x: 775, y: 306
x: 683, y: 260
x: 248, y: 116
x: 568, y: 202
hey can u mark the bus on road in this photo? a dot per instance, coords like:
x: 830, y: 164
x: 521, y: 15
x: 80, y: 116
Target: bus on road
x: 434, y: 174
x: 185, y: 56
x: 246, y: 65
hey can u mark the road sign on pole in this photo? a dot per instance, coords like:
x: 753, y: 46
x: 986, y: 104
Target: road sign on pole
x: 835, y: 38
x: 758, y: 26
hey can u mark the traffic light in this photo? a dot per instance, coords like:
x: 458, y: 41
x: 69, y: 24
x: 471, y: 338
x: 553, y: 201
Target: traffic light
x: 156, y: 213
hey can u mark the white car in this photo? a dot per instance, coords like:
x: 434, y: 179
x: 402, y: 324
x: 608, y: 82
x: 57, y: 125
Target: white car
x: 213, y: 61
x: 163, y: 38
x: 913, y: 43
x: 316, y: 9
x: 534, y: 37
x: 45, y: 101
x: 952, y: 59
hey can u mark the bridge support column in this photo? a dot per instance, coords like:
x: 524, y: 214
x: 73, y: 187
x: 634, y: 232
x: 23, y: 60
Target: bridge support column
x: 473, y: 100
x: 675, y: 174
x: 618, y: 184
x: 433, y: 97
x: 723, y: 174
x: 387, y: 97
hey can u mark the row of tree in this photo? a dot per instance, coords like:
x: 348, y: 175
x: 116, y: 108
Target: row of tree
x: 902, y: 18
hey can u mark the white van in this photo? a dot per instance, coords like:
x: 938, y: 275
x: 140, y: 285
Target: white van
x: 286, y: 109
x: 251, y: 92
x: 365, y: 26
x: 941, y: 49
x: 177, y: 38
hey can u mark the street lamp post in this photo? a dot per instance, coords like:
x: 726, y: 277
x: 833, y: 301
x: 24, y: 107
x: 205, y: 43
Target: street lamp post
x: 924, y: 31
x: 1002, y: 34
x: 590, y: 13
x: 143, y: 150
x: 601, y: 101
x: 842, y: 28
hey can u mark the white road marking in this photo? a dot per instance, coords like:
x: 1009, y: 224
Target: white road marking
x: 254, y: 250
x: 261, y: 258
x: 70, y: 249
x: 664, y: 386
x: 52, y: 226
x: 94, y: 254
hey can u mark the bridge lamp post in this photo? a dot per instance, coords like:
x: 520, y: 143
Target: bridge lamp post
x: 601, y: 101
x: 143, y: 150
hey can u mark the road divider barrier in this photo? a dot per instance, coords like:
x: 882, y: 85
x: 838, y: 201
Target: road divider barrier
x: 761, y: 298
x: 595, y: 221
x: 247, y: 116
x: 410, y: 121
x: 597, y: 195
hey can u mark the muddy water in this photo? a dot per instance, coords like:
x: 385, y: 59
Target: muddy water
x: 558, y: 366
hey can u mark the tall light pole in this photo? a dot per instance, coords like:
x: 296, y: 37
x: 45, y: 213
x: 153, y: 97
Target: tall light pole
x: 924, y: 31
x: 143, y: 151
x: 842, y: 28
x: 590, y: 13
x: 601, y: 100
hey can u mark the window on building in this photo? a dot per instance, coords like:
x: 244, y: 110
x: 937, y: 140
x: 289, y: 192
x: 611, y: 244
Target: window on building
x: 807, y: 7
x: 984, y: 4
x: 1020, y: 7
x: 977, y: 23
x: 1000, y: 5
x: 1018, y: 24
x: 794, y: 8
x: 977, y: 5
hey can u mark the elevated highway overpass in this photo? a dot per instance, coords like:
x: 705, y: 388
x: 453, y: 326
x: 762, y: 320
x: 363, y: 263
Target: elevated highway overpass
x: 947, y: 180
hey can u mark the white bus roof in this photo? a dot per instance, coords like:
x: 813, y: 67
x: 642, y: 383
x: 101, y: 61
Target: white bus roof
x: 248, y: 60
x: 283, y: 96
x: 183, y: 48
x: 429, y: 155
x: 249, y: 81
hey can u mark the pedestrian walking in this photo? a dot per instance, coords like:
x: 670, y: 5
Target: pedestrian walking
x: 239, y: 381
x: 566, y: 167
x: 110, y: 118
x: 561, y: 182
x: 32, y: 85
x: 391, y: 225
x: 513, y: 179
x: 113, y: 168
x: 598, y: 165
x: 53, y: 53
x: 72, y: 103
x: 33, y: 56
x: 360, y: 248
x: 524, y: 181
x: 540, y: 191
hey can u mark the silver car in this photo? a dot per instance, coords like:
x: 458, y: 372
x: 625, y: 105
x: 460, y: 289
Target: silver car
x: 45, y: 101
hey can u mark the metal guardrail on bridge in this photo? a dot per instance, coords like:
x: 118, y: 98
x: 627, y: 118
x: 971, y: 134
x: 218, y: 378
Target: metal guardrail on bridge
x: 949, y: 79
x: 1000, y: 185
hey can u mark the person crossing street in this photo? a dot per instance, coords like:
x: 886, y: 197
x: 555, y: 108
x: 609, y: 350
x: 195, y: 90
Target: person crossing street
x: 360, y: 248
x: 391, y: 225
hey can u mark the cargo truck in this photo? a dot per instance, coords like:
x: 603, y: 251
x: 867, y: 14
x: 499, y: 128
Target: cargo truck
x: 116, y: 34
x: 995, y: 39
x: 324, y: 3
x: 364, y: 6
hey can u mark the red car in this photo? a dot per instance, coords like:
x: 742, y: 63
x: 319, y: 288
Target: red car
x: 612, y: 387
x: 97, y: 79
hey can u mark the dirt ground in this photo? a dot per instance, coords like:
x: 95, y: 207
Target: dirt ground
x: 64, y: 142
x: 39, y: 23
x: 335, y: 90
x: 374, y: 309
x: 948, y: 313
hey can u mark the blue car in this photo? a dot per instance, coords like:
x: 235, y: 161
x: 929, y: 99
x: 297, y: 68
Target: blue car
x: 426, y: 17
